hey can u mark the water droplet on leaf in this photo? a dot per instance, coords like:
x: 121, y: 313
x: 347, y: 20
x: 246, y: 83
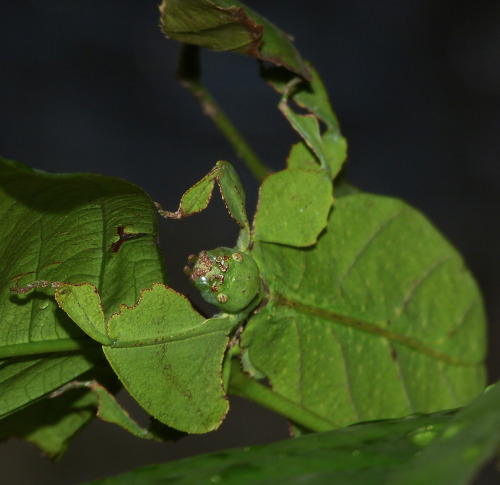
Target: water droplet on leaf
x: 43, y: 304
x: 423, y: 436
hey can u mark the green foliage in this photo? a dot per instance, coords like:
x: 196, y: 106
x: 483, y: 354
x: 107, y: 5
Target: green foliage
x: 351, y: 305
x: 74, y: 228
x: 442, y: 448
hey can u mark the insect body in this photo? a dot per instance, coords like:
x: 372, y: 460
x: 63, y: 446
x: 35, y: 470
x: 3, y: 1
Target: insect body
x: 225, y: 277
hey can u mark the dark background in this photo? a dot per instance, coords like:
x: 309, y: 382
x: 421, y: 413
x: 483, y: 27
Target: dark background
x: 89, y: 86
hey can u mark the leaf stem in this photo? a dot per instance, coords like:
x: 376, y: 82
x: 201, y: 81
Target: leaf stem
x: 189, y: 77
x: 46, y: 347
x: 242, y: 385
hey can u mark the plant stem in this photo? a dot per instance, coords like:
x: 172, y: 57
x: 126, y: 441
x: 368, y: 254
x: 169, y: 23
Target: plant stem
x: 241, y: 385
x: 189, y: 77
x: 46, y: 347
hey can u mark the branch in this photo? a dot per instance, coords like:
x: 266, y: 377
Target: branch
x: 189, y: 77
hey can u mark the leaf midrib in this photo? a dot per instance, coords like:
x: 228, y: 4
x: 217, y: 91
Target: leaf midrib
x: 373, y: 329
x: 127, y: 344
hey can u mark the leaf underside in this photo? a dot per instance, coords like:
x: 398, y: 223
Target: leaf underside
x: 71, y: 228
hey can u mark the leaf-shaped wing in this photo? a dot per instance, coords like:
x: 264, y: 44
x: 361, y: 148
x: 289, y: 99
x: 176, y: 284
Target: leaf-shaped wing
x: 379, y: 319
x: 165, y: 353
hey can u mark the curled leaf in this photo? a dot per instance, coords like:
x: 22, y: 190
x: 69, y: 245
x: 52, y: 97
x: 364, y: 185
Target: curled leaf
x: 224, y: 25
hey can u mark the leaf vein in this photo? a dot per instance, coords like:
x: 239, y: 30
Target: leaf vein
x: 406, y: 394
x: 417, y: 283
x: 464, y: 316
x: 366, y: 246
x: 347, y: 374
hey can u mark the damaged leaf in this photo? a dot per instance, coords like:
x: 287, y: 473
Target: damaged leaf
x: 64, y: 228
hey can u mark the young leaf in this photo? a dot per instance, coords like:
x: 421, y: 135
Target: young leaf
x: 366, y: 453
x: 23, y: 381
x: 379, y: 319
x: 166, y: 354
x: 51, y: 424
x: 229, y: 25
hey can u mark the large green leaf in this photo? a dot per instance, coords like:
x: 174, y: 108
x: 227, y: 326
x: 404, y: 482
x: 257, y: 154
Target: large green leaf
x: 71, y: 228
x: 379, y: 319
x: 229, y: 25
x: 444, y: 448
x: 470, y: 438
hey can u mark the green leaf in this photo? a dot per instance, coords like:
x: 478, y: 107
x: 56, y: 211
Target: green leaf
x: 52, y: 422
x: 293, y: 207
x: 226, y: 25
x: 444, y: 448
x: 166, y: 354
x: 71, y: 228
x: 23, y: 381
x: 362, y: 454
x: 470, y: 438
x: 379, y: 319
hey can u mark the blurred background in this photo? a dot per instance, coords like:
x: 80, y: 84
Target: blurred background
x: 89, y: 86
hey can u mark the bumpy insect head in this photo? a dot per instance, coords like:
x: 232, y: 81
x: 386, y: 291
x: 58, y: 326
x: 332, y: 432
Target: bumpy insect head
x: 225, y: 277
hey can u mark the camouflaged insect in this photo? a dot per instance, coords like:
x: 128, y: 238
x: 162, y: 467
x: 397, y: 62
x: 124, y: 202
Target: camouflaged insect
x: 227, y: 278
